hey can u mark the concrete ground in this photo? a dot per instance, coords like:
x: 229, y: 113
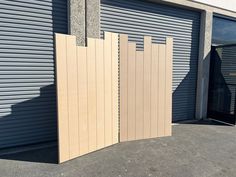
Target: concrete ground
x: 195, y: 150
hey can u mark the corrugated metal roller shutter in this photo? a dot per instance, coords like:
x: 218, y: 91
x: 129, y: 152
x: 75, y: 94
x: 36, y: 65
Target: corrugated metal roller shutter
x: 27, y: 88
x: 139, y: 18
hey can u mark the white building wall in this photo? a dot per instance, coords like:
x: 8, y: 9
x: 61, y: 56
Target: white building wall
x: 225, y: 4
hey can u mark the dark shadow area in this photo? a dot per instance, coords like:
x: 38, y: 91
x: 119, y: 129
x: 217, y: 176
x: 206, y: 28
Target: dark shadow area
x: 203, y: 122
x: 28, y: 110
x: 184, y: 95
x: 44, y: 155
x: 31, y: 122
x: 219, y: 93
x: 222, y: 85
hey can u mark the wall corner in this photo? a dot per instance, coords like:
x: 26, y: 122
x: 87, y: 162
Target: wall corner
x: 204, y: 64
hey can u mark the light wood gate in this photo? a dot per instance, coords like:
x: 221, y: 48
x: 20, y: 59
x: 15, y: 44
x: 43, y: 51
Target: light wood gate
x: 87, y: 94
x: 88, y: 99
x: 145, y: 89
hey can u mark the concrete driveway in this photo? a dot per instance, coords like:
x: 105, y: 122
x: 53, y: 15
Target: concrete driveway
x: 203, y: 149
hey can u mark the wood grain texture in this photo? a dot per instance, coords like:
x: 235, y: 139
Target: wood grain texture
x: 92, y: 109
x: 131, y: 90
x: 145, y: 89
x: 62, y: 103
x: 83, y: 100
x: 72, y: 96
x: 161, y: 92
x: 154, y: 90
x: 115, y: 88
x: 123, y: 87
x: 100, y: 94
x: 88, y: 88
x: 108, y: 88
x: 169, y: 68
x: 147, y: 86
x: 139, y: 131
x: 87, y: 93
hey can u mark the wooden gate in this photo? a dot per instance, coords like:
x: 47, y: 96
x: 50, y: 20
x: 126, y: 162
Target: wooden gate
x: 88, y: 99
x: 87, y: 94
x: 145, y: 89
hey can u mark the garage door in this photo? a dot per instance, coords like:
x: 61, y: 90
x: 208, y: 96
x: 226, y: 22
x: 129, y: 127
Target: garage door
x: 138, y: 18
x: 27, y: 89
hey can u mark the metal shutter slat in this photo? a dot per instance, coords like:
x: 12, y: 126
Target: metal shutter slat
x: 27, y: 86
x: 138, y: 18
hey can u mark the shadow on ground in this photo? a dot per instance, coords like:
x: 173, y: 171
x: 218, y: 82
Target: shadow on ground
x: 44, y: 155
x: 203, y: 122
x: 50, y: 154
x: 194, y: 150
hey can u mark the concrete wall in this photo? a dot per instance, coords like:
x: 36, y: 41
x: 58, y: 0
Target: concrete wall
x: 93, y: 18
x: 204, y: 64
x: 76, y: 19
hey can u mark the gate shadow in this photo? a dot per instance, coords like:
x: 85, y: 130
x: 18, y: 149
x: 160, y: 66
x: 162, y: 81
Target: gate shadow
x: 21, y: 129
x: 16, y: 123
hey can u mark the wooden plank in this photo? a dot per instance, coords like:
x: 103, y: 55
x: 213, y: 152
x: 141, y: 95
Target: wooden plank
x: 62, y: 104
x: 161, y: 92
x: 169, y: 68
x: 115, y: 88
x: 123, y: 87
x: 83, y: 99
x: 147, y: 86
x: 92, y: 109
x: 87, y: 95
x: 131, y: 90
x: 100, y: 94
x: 72, y: 96
x: 108, y: 90
x: 139, y: 95
x: 154, y: 90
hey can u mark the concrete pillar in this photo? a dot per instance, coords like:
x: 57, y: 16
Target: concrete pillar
x: 84, y: 19
x: 204, y: 64
x: 76, y: 20
x: 93, y: 18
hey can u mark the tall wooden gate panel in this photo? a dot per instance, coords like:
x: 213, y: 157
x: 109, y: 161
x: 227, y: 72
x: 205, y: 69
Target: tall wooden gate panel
x: 145, y: 89
x: 87, y: 94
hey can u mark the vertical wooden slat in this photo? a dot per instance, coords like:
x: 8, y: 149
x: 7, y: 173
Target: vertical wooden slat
x: 108, y: 86
x: 72, y: 96
x: 92, y: 110
x: 63, y: 121
x: 83, y: 99
x: 147, y: 86
x: 123, y: 87
x: 161, y: 91
x: 115, y: 85
x: 131, y: 90
x: 154, y: 90
x: 139, y: 95
x: 100, y: 94
x: 169, y: 67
